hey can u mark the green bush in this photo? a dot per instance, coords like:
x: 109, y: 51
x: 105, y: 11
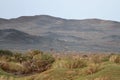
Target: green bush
x: 5, y: 53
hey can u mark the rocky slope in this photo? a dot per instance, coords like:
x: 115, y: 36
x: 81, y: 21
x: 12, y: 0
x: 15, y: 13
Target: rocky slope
x: 65, y: 34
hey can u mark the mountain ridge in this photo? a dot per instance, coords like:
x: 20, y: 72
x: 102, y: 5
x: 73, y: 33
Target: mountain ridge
x: 74, y: 34
x: 98, y: 19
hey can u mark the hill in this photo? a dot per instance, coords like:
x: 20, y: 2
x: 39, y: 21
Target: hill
x: 80, y: 35
x: 15, y: 39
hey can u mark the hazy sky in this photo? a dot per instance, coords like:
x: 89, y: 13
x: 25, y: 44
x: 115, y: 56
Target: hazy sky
x: 70, y: 9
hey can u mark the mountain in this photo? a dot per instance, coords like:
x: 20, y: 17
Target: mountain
x: 15, y: 36
x: 47, y: 32
x: 15, y: 39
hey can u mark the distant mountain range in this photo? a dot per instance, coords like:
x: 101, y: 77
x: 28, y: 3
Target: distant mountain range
x: 47, y: 32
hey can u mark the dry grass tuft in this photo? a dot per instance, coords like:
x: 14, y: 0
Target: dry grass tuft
x: 93, y: 68
x: 70, y: 63
x: 103, y: 78
x: 115, y: 59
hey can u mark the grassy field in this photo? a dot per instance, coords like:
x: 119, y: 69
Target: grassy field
x: 38, y: 65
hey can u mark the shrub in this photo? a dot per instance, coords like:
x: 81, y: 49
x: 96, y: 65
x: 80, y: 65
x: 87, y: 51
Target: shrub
x: 33, y: 53
x: 105, y: 58
x: 70, y: 63
x: 39, y: 63
x: 93, y: 68
x: 77, y: 63
x: 4, y: 65
x: 96, y: 59
x: 12, y: 67
x: 5, y: 53
x: 36, y: 61
x: 115, y: 59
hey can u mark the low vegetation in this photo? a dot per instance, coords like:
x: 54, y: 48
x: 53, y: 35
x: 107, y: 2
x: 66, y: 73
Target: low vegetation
x: 39, y: 65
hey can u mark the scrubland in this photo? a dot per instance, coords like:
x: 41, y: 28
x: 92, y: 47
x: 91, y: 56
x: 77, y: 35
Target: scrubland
x: 39, y: 65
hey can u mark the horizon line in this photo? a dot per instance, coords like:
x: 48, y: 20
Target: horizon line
x: 59, y: 17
